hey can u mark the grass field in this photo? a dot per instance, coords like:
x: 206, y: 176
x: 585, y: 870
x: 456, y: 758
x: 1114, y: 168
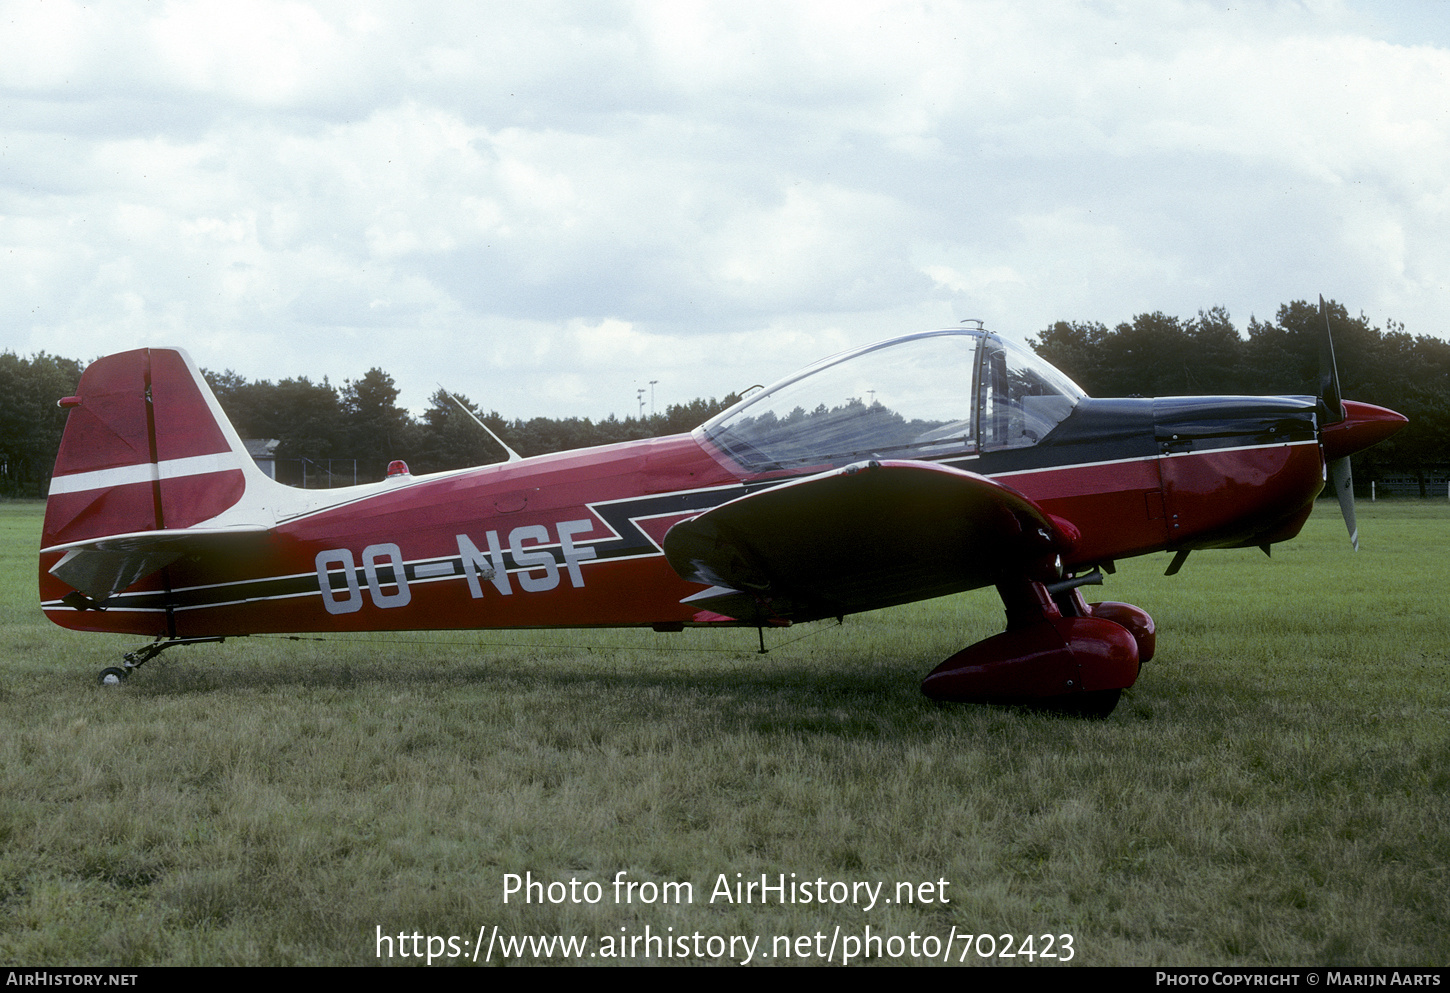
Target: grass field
x: 1274, y: 790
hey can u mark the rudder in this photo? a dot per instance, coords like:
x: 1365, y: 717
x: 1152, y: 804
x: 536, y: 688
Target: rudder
x: 146, y: 448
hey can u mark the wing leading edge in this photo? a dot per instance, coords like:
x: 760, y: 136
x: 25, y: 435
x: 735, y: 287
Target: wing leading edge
x: 870, y: 535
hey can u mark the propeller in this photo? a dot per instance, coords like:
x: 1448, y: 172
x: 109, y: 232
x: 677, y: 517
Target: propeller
x: 1333, y: 403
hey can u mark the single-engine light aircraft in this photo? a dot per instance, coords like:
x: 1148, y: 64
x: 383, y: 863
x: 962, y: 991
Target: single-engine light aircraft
x: 918, y: 467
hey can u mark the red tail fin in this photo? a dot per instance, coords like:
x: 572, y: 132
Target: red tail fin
x: 146, y: 448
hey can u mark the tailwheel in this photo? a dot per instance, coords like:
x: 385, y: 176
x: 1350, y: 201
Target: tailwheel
x: 117, y: 675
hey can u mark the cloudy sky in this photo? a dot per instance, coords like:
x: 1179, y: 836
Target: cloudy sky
x: 547, y: 206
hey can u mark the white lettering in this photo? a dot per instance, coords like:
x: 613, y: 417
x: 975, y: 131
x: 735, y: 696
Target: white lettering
x: 490, y: 566
x: 394, y: 555
x: 573, y: 554
x: 532, y: 560
x: 343, y: 558
x: 385, y: 570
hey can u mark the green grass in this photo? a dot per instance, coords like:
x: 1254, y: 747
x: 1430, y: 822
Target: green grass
x: 1273, y: 790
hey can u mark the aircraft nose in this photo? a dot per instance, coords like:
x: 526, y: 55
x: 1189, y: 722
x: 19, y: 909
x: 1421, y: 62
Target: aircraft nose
x: 1364, y: 425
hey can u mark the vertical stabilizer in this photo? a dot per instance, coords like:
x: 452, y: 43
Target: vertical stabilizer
x: 146, y: 448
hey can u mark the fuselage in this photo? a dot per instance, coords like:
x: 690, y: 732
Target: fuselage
x: 574, y: 539
x: 909, y: 469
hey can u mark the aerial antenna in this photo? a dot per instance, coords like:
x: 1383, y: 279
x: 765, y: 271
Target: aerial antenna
x: 513, y: 455
x: 981, y: 325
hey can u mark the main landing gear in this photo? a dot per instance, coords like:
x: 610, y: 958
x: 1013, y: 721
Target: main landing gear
x: 117, y: 675
x: 1058, y: 653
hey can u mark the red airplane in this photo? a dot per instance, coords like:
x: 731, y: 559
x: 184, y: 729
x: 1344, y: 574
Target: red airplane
x: 914, y: 468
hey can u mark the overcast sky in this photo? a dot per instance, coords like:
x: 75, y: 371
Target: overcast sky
x: 546, y: 206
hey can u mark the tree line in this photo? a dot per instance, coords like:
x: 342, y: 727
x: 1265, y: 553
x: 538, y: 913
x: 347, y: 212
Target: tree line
x: 316, y: 423
x: 30, y: 420
x: 1158, y: 355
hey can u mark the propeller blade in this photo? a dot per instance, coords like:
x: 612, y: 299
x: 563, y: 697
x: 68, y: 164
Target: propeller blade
x: 1329, y: 372
x: 1344, y: 489
x: 1333, y: 402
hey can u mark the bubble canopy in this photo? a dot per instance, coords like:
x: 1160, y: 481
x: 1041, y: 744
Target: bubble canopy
x: 934, y: 395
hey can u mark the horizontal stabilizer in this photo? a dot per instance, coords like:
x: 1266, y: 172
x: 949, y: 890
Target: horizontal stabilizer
x: 103, y: 567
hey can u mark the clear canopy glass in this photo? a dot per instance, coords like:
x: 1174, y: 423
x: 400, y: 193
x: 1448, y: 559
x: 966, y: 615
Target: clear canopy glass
x: 935, y: 395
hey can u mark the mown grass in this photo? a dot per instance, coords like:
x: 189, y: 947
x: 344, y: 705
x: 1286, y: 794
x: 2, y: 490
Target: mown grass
x: 1273, y: 790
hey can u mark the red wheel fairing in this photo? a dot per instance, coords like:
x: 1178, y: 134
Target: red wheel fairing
x: 1054, y: 657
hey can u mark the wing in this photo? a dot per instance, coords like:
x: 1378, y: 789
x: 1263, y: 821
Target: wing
x: 870, y: 535
x: 102, y: 567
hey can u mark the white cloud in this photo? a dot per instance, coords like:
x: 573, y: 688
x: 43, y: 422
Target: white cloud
x: 43, y: 45
x: 262, y: 52
x: 717, y: 191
